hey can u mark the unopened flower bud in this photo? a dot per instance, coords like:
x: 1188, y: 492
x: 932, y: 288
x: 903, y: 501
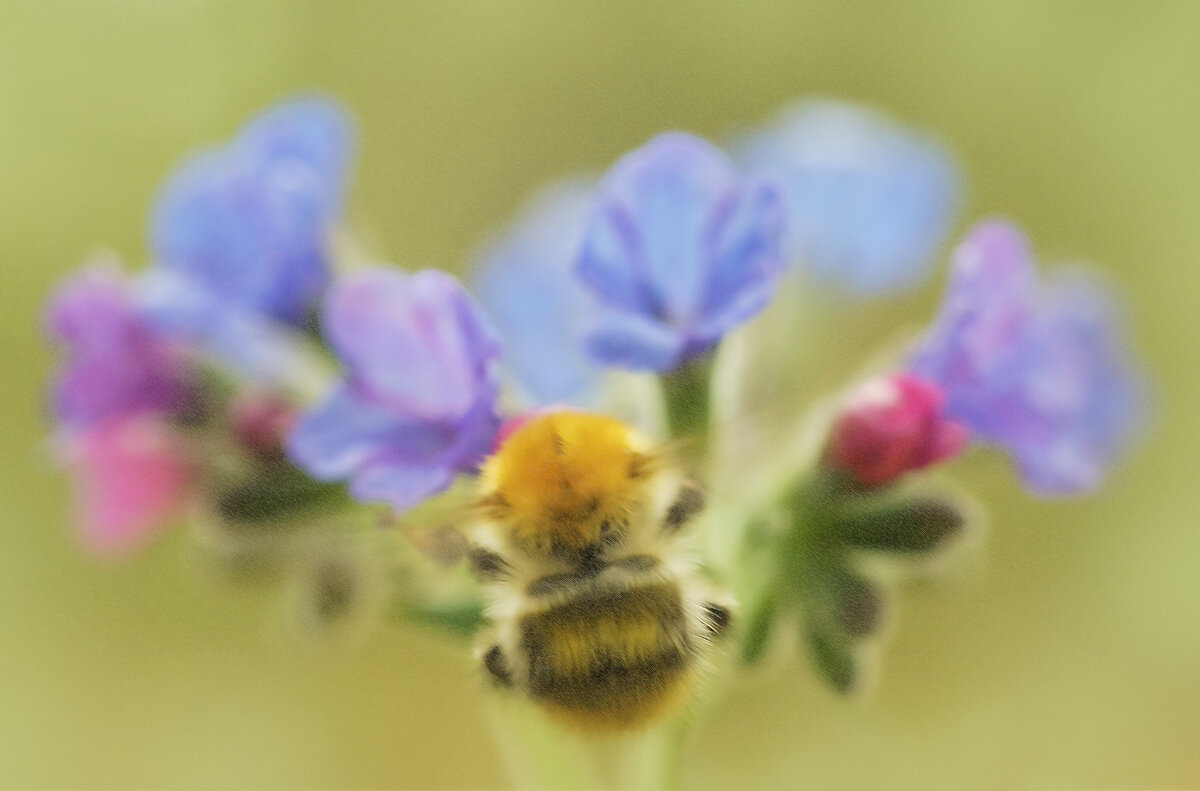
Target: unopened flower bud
x: 890, y: 426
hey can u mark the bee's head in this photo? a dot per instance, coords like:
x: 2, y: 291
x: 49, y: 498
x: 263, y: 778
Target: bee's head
x: 567, y: 478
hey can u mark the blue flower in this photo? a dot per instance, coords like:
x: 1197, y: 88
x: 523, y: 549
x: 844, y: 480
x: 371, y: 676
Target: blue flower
x: 869, y: 203
x: 679, y: 250
x: 526, y: 282
x: 418, y: 403
x: 1044, y: 373
x: 240, y: 235
x: 117, y: 365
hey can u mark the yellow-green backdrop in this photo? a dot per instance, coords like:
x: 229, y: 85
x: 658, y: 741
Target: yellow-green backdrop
x: 1068, y: 655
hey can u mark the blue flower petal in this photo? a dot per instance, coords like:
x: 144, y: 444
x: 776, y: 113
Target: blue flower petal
x: 984, y: 315
x: 678, y: 241
x: 1043, y: 374
x: 869, y: 202
x: 647, y: 248
x: 305, y: 139
x: 746, y: 263
x: 254, y: 347
x: 250, y: 222
x: 633, y: 341
x: 526, y: 283
x: 1079, y: 378
x: 400, y: 486
x: 413, y: 340
x: 418, y: 403
x: 348, y: 432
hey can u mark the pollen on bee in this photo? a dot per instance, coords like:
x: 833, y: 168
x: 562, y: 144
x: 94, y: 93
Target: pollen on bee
x: 562, y: 475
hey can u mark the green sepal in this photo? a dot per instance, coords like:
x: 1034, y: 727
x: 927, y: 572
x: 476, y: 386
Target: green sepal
x: 906, y: 526
x: 756, y: 635
x: 275, y: 492
x: 834, y: 659
x: 854, y: 605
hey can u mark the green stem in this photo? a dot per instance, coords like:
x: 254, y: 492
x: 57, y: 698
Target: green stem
x: 541, y: 754
x: 686, y: 397
x: 654, y: 757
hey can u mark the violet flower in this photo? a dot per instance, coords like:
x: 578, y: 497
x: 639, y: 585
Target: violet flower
x: 679, y: 250
x: 869, y: 202
x: 116, y: 363
x: 1044, y: 373
x: 417, y: 405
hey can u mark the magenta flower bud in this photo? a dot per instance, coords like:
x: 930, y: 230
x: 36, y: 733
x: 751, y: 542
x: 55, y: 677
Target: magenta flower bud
x: 890, y: 426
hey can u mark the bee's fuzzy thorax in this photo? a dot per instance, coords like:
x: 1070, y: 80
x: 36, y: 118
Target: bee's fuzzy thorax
x: 565, y: 477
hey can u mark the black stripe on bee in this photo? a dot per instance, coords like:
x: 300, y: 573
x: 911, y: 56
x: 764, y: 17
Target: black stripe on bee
x: 612, y: 685
x: 688, y: 503
x: 497, y: 666
x: 566, y: 581
x: 488, y: 566
x: 717, y: 618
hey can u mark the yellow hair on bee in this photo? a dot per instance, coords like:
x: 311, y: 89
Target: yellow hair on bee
x: 563, y: 475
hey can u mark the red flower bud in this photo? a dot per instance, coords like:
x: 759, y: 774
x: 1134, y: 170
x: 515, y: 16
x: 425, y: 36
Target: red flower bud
x: 890, y: 426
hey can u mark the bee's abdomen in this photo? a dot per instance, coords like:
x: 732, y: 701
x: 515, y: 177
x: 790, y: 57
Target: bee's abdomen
x: 609, y: 659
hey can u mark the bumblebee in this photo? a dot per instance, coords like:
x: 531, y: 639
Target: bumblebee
x: 597, y: 612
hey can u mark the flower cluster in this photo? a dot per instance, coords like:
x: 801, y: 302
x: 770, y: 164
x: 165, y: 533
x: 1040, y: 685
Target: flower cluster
x: 209, y: 377
x: 159, y: 366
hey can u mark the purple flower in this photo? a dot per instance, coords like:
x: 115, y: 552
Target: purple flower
x: 116, y: 365
x: 525, y: 281
x: 869, y: 203
x: 241, y: 234
x: 1044, y: 373
x: 417, y: 405
x: 679, y: 250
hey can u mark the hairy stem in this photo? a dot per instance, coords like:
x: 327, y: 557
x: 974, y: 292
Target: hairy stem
x: 686, y: 398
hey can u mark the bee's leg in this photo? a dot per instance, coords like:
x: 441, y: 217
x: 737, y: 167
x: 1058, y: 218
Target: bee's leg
x: 488, y: 565
x: 716, y: 618
x: 688, y: 503
x: 495, y: 663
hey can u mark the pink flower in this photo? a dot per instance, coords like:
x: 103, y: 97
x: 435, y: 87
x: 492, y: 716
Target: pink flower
x: 890, y: 426
x: 131, y: 478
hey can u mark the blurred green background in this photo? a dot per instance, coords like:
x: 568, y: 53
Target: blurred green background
x: 1066, y: 655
